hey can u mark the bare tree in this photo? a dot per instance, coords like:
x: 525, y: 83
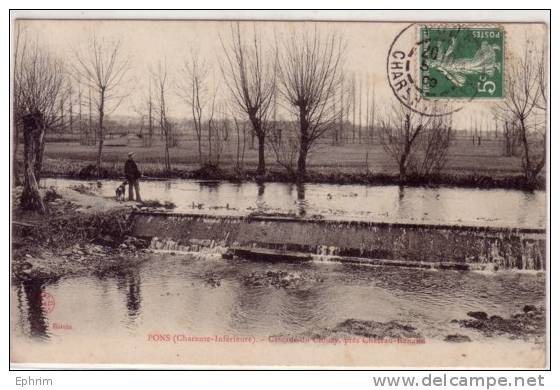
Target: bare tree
x: 150, y: 139
x: 103, y: 68
x: 360, y: 112
x: 509, y: 133
x: 284, y: 143
x: 39, y: 87
x: 211, y: 130
x: 80, y: 124
x: 145, y: 111
x: 166, y: 126
x: 368, y: 112
x: 241, y: 142
x: 433, y: 145
x: 353, y: 89
x: 310, y: 74
x: 526, y: 94
x: 20, y: 46
x: 219, y: 129
x: 90, y: 119
x: 542, y: 77
x: 399, y: 135
x: 200, y: 97
x: 70, y: 108
x: 371, y: 108
x: 344, y: 98
x: 250, y: 75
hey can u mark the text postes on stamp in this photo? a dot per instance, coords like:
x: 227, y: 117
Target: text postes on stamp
x: 461, y: 62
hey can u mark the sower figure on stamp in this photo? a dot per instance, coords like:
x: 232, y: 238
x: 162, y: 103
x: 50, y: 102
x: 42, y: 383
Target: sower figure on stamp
x: 132, y: 175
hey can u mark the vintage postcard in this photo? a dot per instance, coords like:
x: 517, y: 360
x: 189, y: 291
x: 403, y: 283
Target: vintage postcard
x: 244, y: 192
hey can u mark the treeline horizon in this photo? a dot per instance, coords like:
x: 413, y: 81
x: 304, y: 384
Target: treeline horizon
x: 303, y: 76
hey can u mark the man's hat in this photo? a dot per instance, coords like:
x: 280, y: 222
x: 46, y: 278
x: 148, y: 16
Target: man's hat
x: 130, y: 154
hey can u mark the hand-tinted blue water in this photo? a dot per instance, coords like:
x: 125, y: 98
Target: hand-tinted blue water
x: 202, y: 295
x: 457, y: 206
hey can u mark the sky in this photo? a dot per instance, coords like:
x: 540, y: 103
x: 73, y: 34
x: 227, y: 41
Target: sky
x: 147, y: 43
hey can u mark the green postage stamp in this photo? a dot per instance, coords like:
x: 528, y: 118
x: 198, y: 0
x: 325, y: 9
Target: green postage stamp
x: 461, y: 62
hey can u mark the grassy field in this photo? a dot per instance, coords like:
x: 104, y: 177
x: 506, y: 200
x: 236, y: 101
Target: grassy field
x: 467, y: 165
x: 464, y: 158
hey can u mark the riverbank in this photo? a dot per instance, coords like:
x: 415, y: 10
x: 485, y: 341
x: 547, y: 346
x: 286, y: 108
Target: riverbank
x: 80, y: 170
x: 81, y: 234
x: 528, y: 325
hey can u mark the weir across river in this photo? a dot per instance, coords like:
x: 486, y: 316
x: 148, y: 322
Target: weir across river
x: 378, y: 243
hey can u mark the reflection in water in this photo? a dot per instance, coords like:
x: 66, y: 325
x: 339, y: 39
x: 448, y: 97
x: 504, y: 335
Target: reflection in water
x: 401, y: 192
x: 302, y: 204
x: 260, y: 192
x: 525, y: 209
x: 130, y: 282
x: 36, y: 319
x: 172, y: 294
x: 261, y: 202
x: 209, y: 186
x: 461, y: 206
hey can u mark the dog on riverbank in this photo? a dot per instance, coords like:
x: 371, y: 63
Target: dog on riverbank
x: 120, y: 191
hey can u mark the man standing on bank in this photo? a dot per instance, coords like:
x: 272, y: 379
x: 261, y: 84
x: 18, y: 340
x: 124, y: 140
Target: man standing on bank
x: 132, y: 175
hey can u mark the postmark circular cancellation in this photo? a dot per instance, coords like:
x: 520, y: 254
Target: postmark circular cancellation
x: 450, y: 64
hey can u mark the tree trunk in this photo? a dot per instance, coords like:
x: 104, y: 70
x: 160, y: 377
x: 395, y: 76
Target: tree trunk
x: 238, y: 147
x: 507, y: 148
x: 38, y: 167
x: 167, y: 160
x: 402, y: 170
x: 199, y: 140
x: 526, y: 157
x: 261, y: 168
x: 260, y: 135
x: 210, y: 143
x: 302, y: 161
x: 304, y: 145
x: 30, y: 196
x: 100, y: 132
x: 402, y: 164
x: 99, y: 151
x: 17, y: 180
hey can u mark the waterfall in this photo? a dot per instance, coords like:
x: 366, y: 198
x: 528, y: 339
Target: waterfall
x: 169, y: 245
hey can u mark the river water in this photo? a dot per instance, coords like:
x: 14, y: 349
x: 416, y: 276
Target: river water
x: 455, y: 206
x: 206, y: 295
